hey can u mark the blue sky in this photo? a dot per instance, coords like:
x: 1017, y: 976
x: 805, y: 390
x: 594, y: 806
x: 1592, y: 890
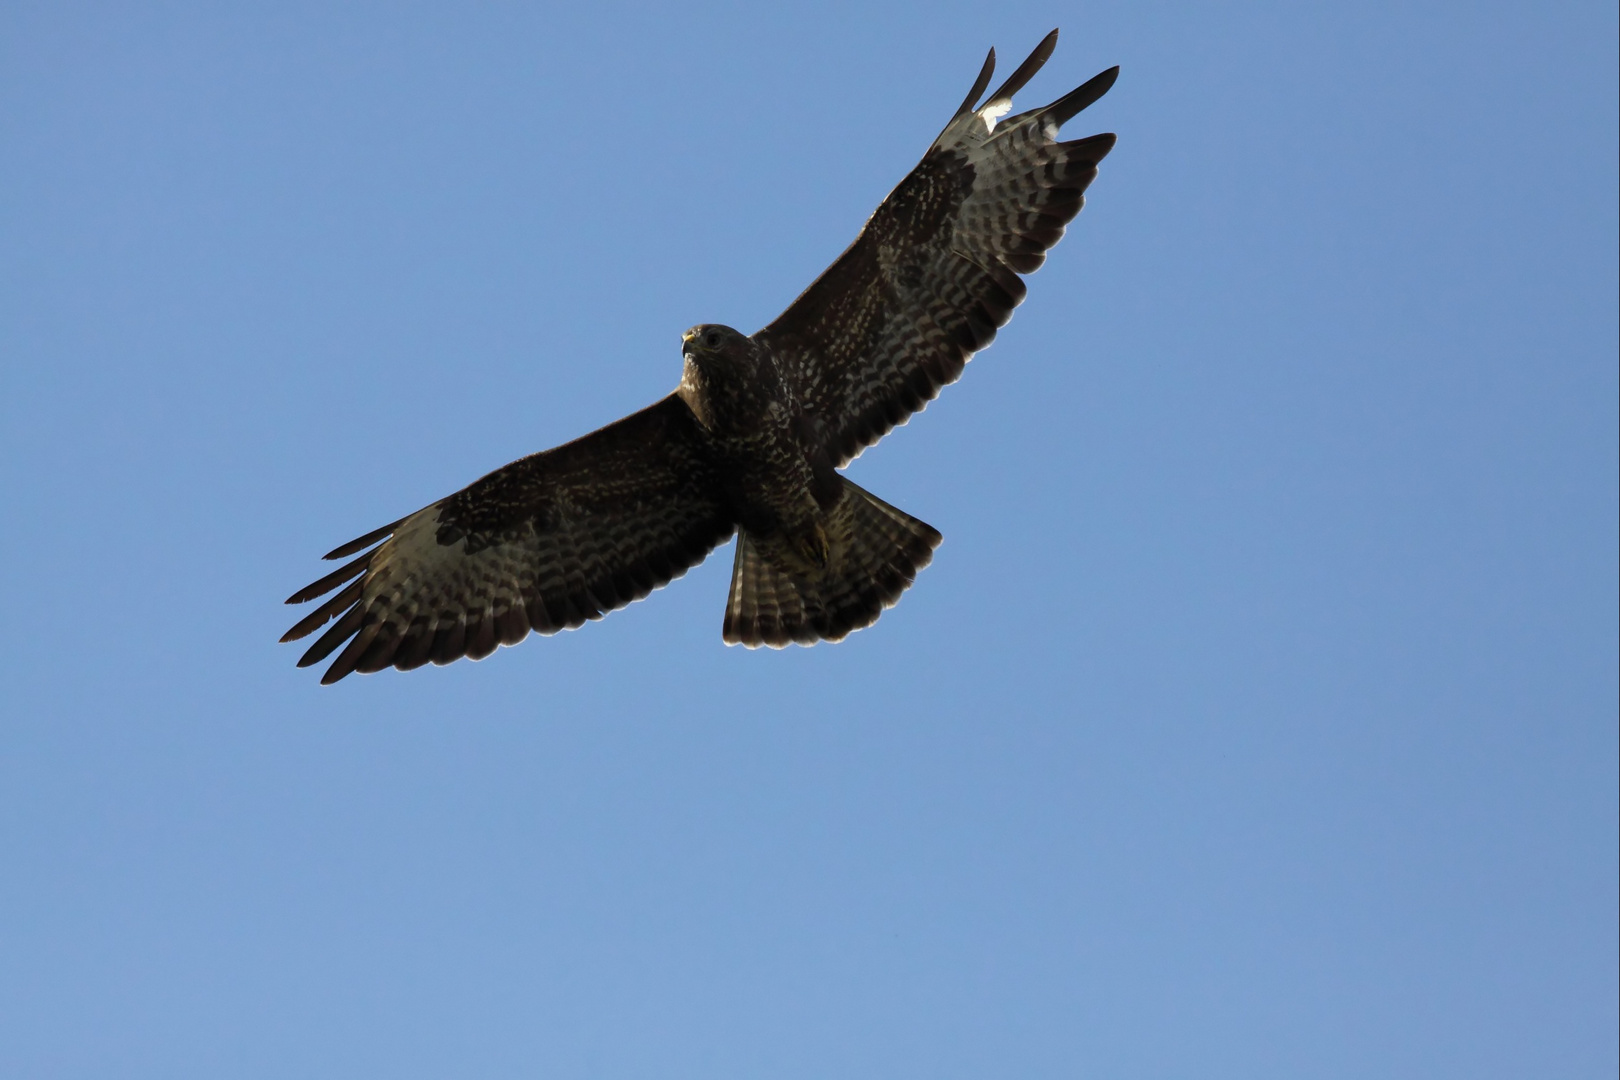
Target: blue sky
x: 1257, y: 717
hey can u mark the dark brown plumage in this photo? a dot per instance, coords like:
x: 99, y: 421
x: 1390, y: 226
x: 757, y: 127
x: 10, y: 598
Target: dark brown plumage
x: 752, y: 439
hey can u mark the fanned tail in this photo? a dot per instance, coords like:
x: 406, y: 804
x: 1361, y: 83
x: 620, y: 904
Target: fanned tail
x: 876, y: 552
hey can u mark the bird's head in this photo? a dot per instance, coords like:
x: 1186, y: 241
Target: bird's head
x: 722, y: 369
x: 718, y: 350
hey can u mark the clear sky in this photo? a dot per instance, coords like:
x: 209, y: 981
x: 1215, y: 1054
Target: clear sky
x: 1257, y: 717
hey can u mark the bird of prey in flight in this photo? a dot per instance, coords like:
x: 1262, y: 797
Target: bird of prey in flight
x: 752, y: 439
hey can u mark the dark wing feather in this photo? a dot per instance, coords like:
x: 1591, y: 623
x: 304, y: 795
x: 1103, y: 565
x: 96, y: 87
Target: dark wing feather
x: 935, y: 272
x: 544, y: 544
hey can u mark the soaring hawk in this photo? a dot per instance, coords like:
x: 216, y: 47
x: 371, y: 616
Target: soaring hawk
x: 752, y: 440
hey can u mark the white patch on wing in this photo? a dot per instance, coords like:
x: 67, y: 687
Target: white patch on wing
x: 992, y: 113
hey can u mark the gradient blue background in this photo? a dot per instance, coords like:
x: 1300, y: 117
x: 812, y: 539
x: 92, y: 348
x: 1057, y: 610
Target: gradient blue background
x: 1256, y: 719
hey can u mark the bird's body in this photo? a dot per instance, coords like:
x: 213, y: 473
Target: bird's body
x: 778, y: 477
x: 753, y: 438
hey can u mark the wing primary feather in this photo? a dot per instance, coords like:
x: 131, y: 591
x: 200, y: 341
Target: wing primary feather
x: 1026, y: 71
x: 334, y: 637
x: 1092, y: 148
x: 979, y: 84
x: 382, y: 651
x: 317, y: 618
x: 363, y: 542
x: 1065, y: 107
x: 331, y: 581
x: 350, y: 656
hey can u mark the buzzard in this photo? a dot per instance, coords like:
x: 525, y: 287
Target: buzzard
x: 751, y: 441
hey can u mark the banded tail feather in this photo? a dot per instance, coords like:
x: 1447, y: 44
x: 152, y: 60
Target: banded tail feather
x: 876, y: 552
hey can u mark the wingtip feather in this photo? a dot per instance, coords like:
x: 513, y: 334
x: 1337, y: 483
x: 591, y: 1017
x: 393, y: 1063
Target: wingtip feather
x: 330, y: 581
x: 985, y: 72
x: 1069, y: 105
x: 362, y: 542
x: 1026, y: 71
x: 1093, y: 148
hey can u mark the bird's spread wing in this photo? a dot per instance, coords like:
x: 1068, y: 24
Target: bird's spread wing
x: 544, y: 544
x: 934, y: 272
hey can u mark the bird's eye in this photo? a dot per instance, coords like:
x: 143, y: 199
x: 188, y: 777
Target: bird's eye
x: 711, y: 340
